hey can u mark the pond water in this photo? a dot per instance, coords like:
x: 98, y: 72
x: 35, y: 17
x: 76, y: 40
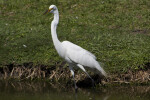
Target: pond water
x: 48, y: 91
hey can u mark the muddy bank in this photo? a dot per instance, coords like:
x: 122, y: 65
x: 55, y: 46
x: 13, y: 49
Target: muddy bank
x: 28, y: 71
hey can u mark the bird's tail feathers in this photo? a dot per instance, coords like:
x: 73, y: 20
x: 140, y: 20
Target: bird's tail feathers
x: 100, y: 69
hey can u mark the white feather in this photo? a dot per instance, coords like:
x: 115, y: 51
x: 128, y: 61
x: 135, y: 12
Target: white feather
x: 81, y: 56
x: 72, y: 53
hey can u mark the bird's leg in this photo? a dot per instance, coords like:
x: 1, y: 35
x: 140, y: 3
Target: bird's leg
x: 72, y: 72
x: 81, y: 67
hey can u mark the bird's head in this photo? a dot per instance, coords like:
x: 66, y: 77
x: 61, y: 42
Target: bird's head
x: 52, y: 9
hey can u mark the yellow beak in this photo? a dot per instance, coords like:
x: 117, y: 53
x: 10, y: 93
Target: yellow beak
x: 47, y: 11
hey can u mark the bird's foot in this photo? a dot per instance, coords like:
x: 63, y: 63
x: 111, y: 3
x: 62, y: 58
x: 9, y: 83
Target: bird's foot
x: 76, y: 89
x: 93, y: 83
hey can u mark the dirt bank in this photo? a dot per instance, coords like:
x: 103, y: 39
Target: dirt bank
x: 61, y: 74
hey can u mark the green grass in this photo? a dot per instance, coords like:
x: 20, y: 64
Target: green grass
x: 116, y: 31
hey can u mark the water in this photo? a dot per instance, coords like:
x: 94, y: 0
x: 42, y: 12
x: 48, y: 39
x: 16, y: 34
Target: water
x: 48, y: 91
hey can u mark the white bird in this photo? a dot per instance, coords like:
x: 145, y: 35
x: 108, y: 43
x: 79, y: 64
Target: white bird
x: 73, y: 54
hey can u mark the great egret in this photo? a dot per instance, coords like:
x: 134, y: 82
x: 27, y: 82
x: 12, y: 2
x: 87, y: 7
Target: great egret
x: 72, y: 53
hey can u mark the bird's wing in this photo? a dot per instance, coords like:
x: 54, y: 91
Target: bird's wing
x: 74, y: 47
x: 78, y: 54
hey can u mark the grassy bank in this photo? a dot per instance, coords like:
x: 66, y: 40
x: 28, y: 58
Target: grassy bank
x: 116, y: 31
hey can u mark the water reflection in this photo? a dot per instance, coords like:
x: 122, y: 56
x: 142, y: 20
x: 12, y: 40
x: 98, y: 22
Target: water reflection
x: 92, y: 97
x: 49, y: 91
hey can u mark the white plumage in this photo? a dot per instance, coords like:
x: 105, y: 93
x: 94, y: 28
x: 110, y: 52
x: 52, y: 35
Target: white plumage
x: 72, y: 53
x: 81, y: 56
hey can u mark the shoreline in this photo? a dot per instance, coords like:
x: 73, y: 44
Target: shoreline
x: 60, y: 74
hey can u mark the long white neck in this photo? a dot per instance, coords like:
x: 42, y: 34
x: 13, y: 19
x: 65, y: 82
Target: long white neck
x: 54, y: 27
x: 57, y: 43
